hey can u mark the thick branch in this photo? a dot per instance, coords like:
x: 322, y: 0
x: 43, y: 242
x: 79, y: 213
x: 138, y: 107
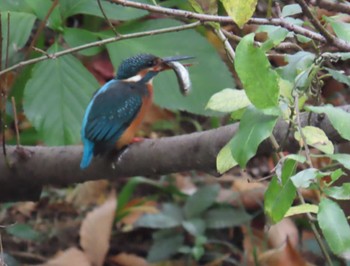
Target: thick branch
x: 196, y: 151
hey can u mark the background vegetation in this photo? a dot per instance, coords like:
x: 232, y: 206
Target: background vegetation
x: 279, y: 68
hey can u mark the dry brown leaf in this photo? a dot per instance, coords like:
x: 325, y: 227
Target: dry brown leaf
x: 26, y: 208
x: 92, y: 192
x: 280, y: 232
x: 185, y: 184
x: 286, y: 255
x: 69, y: 257
x: 124, y: 259
x: 136, y: 212
x: 95, y: 231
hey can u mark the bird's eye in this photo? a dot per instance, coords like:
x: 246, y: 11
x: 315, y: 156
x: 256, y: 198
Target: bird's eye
x: 151, y: 63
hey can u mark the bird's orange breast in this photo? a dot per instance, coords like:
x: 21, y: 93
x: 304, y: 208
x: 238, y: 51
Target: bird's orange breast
x: 130, y: 132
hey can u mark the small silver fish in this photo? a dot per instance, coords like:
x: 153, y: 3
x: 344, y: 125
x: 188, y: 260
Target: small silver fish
x: 182, y: 75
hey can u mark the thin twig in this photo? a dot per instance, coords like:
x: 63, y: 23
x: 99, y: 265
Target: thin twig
x: 41, y: 28
x: 2, y: 258
x: 7, y: 42
x: 281, y: 46
x: 102, y: 42
x: 303, y: 138
x: 106, y: 18
x: 14, y: 109
x: 332, y: 6
x: 316, y: 23
x: 226, y: 19
x: 300, y: 196
x: 229, y: 50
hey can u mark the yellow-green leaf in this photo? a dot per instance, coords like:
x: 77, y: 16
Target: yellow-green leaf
x: 316, y: 137
x: 303, y: 208
x: 240, y: 11
x: 224, y: 160
x: 228, y: 100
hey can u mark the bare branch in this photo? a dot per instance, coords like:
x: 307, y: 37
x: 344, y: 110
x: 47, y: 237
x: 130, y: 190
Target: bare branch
x: 342, y: 45
x: 316, y: 23
x: 223, y: 19
x: 99, y: 43
x: 332, y: 6
x: 106, y: 18
x: 196, y: 151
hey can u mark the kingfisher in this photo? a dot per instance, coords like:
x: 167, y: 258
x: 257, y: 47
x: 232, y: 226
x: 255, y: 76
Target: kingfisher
x: 117, y: 109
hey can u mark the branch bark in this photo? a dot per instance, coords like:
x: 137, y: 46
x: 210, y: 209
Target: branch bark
x: 24, y: 179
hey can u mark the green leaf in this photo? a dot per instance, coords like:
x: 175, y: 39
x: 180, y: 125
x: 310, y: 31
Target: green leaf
x: 201, y: 200
x: 55, y: 98
x: 339, y: 76
x: 280, y: 195
x: 339, y: 193
x: 112, y: 10
x: 15, y: 5
x: 341, y: 29
x: 334, y: 226
x: 338, y: 117
x: 240, y: 11
x: 166, y: 243
x: 128, y: 190
x: 342, y: 55
x: 255, y: 126
x: 228, y: 100
x: 304, y: 178
x: 205, y: 81
x: 296, y: 64
x: 205, y: 6
x: 21, y: 25
x: 260, y: 81
x: 290, y: 10
x: 224, y: 160
x: 225, y: 217
x: 41, y: 9
x: 23, y: 231
x: 276, y: 35
x: 76, y: 36
x: 316, y: 137
x: 296, y: 157
x: 301, y: 209
x: 169, y: 217
x: 195, y: 226
x: 341, y: 158
x: 335, y: 175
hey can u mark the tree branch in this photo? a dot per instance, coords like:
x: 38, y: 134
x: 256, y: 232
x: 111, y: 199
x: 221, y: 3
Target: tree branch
x: 332, y: 6
x: 196, y: 151
x: 342, y: 45
x: 99, y: 43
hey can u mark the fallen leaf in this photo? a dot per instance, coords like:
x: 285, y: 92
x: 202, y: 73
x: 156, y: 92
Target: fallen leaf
x: 280, y: 232
x: 124, y: 259
x: 26, y: 208
x: 286, y: 255
x: 96, y: 230
x: 92, y: 192
x: 71, y: 256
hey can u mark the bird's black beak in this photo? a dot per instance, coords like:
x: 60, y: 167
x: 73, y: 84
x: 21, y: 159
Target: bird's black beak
x: 176, y: 58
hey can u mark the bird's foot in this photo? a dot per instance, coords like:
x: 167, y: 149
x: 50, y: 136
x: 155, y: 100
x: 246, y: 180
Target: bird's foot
x: 137, y: 139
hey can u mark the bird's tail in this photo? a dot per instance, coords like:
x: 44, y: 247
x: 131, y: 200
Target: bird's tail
x: 87, y: 154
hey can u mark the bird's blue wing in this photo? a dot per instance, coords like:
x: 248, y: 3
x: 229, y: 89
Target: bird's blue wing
x: 107, y: 116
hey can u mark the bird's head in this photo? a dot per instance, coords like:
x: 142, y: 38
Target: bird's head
x: 144, y: 67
